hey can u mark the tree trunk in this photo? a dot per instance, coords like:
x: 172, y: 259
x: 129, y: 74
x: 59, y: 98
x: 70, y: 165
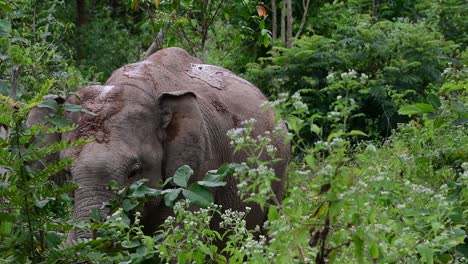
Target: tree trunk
x: 274, y: 30
x: 81, y: 12
x: 283, y: 23
x: 14, y: 82
x: 303, y: 20
x: 289, y: 21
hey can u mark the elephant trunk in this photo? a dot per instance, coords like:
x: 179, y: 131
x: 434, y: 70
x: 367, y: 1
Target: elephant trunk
x: 88, y: 198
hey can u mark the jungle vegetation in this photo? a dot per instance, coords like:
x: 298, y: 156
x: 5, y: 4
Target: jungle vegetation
x: 374, y: 94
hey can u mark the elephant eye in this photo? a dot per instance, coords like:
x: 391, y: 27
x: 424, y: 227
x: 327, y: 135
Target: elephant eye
x: 135, y: 169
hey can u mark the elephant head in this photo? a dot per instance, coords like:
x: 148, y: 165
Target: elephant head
x: 136, y: 135
x: 154, y: 116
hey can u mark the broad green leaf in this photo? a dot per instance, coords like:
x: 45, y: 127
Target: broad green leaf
x: 427, y: 254
x: 50, y: 103
x: 171, y: 196
x: 198, y: 195
x: 273, y: 213
x: 333, y: 135
x: 310, y: 160
x: 416, y: 109
x: 149, y: 242
x: 144, y: 191
x: 128, y: 204
x: 316, y: 129
x: 130, y: 244
x: 60, y: 121
x: 182, y: 176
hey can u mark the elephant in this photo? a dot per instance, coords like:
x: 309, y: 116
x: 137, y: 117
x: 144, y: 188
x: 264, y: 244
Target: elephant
x: 154, y: 116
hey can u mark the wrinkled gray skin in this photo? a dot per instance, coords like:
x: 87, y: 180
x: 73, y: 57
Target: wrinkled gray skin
x: 155, y: 116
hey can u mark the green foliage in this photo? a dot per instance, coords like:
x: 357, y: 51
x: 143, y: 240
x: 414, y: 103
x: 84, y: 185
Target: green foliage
x: 379, y: 65
x: 32, y: 208
x: 30, y: 45
x: 105, y: 45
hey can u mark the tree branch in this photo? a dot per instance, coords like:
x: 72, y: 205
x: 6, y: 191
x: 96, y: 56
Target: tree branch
x: 157, y: 43
x: 304, y: 16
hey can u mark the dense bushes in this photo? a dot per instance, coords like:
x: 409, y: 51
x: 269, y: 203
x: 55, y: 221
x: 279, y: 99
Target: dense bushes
x: 381, y: 65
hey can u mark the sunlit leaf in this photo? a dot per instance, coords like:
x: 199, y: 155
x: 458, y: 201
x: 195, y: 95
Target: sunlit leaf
x: 416, y: 109
x: 198, y: 195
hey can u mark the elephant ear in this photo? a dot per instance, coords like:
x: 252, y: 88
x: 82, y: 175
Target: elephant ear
x: 183, y: 132
x: 39, y: 116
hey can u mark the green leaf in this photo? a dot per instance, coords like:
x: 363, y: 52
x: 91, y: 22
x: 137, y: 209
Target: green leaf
x: 427, y: 254
x: 198, y: 195
x: 416, y: 109
x: 144, y: 191
x: 316, y: 129
x: 333, y: 135
x: 96, y: 215
x: 5, y: 26
x: 135, y: 185
x: 171, y: 196
x: 149, y: 242
x: 168, y: 180
x: 50, y: 103
x: 374, y: 251
x: 44, y: 202
x: 358, y: 247
x: 266, y: 41
x: 128, y: 204
x: 6, y: 227
x: 357, y: 133
x: 4, y: 88
x: 310, y: 160
x: 182, y: 176
x: 273, y: 213
x: 60, y: 121
x: 130, y: 244
x: 215, y: 178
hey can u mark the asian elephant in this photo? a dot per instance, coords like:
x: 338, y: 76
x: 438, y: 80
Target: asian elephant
x: 154, y: 116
